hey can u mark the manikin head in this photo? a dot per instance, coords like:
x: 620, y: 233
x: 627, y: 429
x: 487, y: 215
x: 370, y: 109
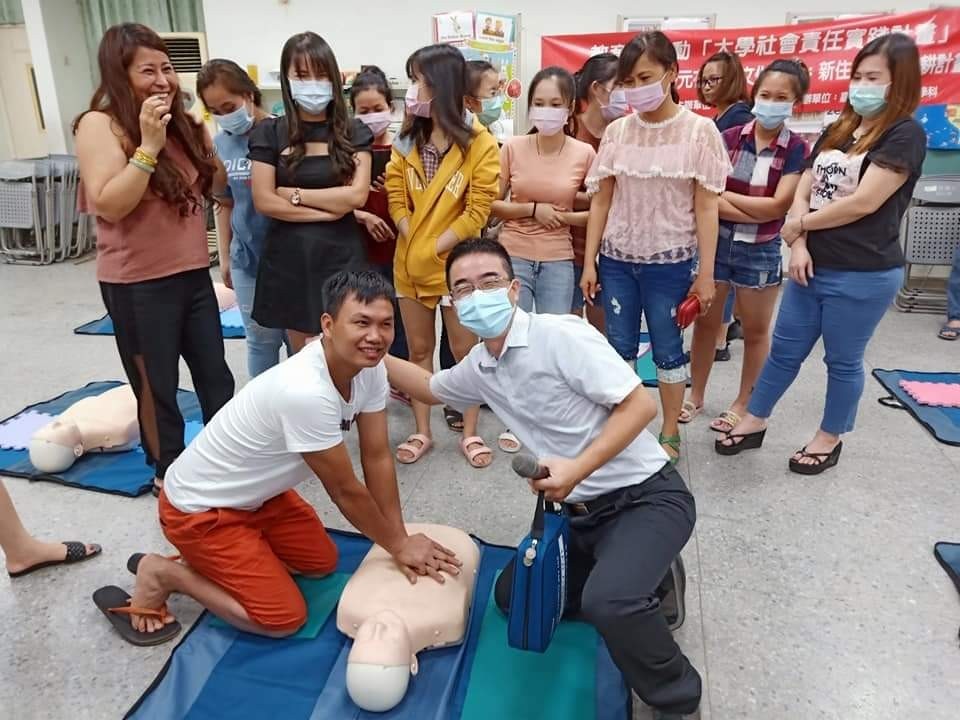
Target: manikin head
x: 56, y: 446
x: 380, y: 663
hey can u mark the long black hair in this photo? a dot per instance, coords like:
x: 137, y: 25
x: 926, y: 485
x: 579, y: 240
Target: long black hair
x: 657, y: 46
x: 568, y: 93
x: 370, y: 78
x: 600, y: 69
x: 318, y: 56
x: 444, y: 71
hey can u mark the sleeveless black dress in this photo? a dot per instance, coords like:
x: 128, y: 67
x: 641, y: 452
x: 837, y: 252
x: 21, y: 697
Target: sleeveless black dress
x: 298, y: 258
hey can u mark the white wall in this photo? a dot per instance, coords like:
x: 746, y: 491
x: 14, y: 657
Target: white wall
x: 385, y: 32
x: 62, y: 66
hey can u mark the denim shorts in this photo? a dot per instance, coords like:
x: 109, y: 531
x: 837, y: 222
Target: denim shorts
x: 632, y: 290
x: 748, y: 265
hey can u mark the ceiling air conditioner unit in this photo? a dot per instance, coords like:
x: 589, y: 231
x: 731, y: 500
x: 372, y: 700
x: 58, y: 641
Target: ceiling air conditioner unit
x: 188, y: 53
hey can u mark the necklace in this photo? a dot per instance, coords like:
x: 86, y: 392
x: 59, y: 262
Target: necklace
x: 562, y: 145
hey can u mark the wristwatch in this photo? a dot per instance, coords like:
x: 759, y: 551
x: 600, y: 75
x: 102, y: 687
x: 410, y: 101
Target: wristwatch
x: 295, y: 198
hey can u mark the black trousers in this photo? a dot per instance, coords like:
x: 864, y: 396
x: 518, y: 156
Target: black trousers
x: 158, y: 322
x: 619, y: 556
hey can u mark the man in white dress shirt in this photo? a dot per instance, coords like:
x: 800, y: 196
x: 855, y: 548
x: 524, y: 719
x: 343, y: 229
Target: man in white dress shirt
x: 570, y: 398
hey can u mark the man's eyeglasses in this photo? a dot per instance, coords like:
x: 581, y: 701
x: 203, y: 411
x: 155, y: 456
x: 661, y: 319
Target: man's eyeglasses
x: 462, y: 290
x: 710, y: 82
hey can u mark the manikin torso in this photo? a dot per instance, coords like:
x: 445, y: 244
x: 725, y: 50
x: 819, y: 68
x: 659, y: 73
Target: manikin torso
x: 391, y: 620
x: 103, y: 423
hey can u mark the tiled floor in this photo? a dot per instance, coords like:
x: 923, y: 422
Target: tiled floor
x: 807, y: 598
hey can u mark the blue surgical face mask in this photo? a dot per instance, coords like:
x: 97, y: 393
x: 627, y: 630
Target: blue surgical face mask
x: 490, y: 111
x: 486, y: 312
x: 312, y: 96
x: 237, y: 122
x: 868, y: 100
x: 772, y: 115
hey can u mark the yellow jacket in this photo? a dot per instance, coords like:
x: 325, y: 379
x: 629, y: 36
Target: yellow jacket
x: 458, y: 199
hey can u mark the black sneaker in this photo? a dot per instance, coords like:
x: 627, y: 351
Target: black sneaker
x: 734, y: 331
x: 672, y: 592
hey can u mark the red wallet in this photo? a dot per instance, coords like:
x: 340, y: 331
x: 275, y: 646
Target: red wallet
x: 687, y: 311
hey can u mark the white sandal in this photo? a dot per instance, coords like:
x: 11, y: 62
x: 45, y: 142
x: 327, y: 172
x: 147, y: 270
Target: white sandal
x: 508, y: 442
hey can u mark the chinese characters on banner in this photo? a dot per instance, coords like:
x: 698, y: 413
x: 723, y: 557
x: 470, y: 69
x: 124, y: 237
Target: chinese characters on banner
x: 827, y: 48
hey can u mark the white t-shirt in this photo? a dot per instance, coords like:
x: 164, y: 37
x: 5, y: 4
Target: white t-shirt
x: 555, y: 386
x: 251, y: 450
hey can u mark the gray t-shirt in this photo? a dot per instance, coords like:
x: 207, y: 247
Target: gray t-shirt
x: 249, y: 227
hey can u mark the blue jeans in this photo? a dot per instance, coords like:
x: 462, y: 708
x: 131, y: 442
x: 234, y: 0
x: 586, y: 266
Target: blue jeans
x: 845, y: 308
x: 654, y: 291
x: 953, y: 289
x: 546, y: 285
x: 263, y: 344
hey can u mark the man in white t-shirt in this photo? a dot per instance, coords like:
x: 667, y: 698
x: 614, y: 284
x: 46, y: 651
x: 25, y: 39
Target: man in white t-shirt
x: 569, y: 397
x: 228, y: 503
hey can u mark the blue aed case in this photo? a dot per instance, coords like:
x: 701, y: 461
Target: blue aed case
x: 539, y: 590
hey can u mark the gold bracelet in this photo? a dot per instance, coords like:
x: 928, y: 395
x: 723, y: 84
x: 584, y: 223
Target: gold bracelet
x: 142, y: 166
x: 143, y: 156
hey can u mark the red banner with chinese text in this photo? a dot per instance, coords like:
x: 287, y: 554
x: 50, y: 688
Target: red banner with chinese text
x: 828, y: 49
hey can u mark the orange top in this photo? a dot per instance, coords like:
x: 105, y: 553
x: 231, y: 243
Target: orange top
x: 154, y: 240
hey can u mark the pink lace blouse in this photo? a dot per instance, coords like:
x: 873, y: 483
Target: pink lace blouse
x: 656, y: 167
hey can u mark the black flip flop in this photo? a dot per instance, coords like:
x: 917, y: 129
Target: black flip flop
x: 454, y: 419
x: 114, y: 602
x: 76, y: 553
x: 824, y: 461
x: 748, y: 441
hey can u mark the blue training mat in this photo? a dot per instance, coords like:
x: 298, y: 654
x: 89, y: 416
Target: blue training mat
x: 948, y: 555
x: 942, y: 422
x: 219, y: 671
x: 121, y: 473
x: 230, y: 323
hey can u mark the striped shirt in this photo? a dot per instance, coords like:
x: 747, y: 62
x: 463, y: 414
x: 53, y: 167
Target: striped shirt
x: 757, y: 174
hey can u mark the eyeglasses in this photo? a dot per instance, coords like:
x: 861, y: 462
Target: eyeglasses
x: 462, y: 290
x: 710, y: 82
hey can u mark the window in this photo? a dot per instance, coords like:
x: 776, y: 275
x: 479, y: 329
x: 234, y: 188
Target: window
x: 646, y: 23
x: 801, y: 18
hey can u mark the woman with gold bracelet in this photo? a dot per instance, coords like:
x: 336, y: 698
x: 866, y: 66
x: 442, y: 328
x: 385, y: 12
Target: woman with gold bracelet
x: 147, y: 170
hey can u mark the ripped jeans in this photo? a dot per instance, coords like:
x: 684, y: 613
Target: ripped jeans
x: 653, y: 291
x: 263, y: 344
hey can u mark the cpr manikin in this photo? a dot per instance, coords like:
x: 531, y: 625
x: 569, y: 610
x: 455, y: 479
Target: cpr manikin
x: 102, y: 423
x: 391, y: 620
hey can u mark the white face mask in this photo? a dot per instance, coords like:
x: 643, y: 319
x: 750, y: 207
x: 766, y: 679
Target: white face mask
x: 312, y: 96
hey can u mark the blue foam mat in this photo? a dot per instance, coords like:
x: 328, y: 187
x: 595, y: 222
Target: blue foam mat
x: 122, y: 473
x: 941, y: 422
x: 230, y: 323
x: 217, y: 671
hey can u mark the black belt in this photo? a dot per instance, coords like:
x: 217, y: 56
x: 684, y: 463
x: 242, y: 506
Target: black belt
x: 590, y: 506
x: 587, y: 507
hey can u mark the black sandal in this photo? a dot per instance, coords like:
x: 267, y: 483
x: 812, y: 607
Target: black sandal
x: 750, y: 441
x: 454, y: 419
x: 76, y: 552
x: 824, y: 461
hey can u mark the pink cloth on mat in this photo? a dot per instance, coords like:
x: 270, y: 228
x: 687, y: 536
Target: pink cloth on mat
x: 933, y: 393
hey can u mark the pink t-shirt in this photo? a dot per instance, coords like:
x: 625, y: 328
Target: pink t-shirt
x: 154, y: 240
x: 656, y: 168
x: 552, y: 179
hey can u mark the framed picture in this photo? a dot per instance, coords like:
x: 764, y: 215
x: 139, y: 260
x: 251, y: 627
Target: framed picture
x: 494, y: 28
x: 453, y: 27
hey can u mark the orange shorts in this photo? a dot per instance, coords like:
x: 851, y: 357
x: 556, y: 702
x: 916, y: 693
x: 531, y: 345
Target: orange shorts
x: 251, y: 554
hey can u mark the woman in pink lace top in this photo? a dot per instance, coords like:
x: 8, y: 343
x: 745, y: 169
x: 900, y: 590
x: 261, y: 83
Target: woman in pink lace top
x: 656, y: 184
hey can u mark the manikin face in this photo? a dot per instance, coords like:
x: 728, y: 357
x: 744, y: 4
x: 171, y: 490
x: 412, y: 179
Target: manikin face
x: 382, y: 639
